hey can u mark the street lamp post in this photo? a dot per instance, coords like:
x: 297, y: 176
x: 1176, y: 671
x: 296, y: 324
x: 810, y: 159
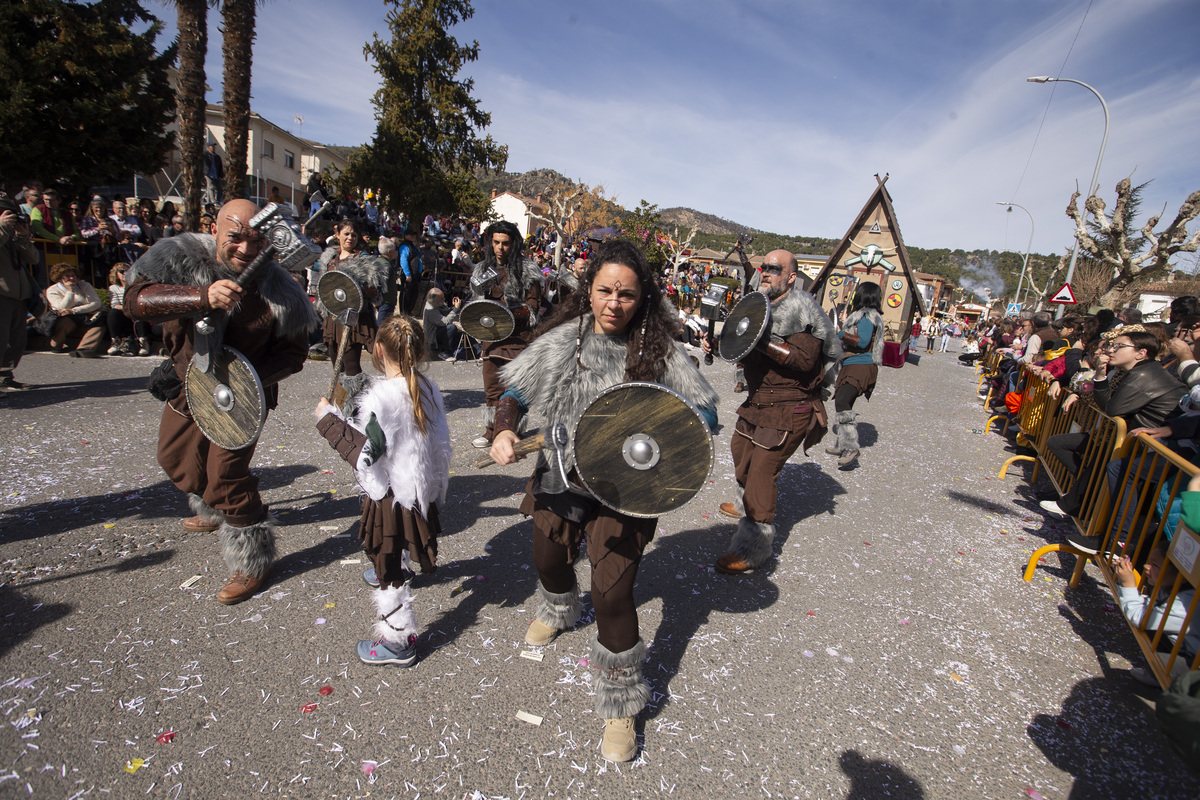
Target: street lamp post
x: 1028, y: 248
x: 1094, y: 186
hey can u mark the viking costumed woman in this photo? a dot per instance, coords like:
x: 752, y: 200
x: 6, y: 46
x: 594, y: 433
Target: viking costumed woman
x: 862, y: 341
x: 371, y: 276
x: 397, y: 439
x: 617, y: 328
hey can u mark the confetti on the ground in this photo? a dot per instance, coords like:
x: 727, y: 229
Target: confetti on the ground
x: 320, y: 621
x: 532, y: 656
x: 308, y: 708
x: 133, y: 765
x: 325, y: 691
x: 190, y: 582
x: 166, y: 737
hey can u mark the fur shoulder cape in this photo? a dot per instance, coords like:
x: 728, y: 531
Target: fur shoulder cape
x: 550, y: 381
x: 872, y: 316
x: 190, y: 259
x: 368, y: 271
x: 797, y: 312
x: 415, y: 467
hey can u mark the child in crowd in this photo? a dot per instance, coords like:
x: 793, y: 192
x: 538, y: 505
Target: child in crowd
x: 397, y: 439
x: 1134, y: 605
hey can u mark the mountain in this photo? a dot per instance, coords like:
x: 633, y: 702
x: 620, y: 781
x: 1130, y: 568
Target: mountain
x: 685, y: 218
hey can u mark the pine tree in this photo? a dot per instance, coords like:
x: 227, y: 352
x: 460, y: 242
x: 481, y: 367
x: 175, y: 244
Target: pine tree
x: 427, y: 141
x: 84, y: 100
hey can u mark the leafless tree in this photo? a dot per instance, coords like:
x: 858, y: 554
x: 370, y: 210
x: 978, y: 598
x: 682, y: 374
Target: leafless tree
x: 1127, y: 265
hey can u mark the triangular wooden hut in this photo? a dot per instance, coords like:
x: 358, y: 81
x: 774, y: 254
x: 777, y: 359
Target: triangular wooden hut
x: 873, y: 250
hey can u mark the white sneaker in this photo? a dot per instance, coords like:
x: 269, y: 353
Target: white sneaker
x: 1051, y: 507
x: 481, y: 442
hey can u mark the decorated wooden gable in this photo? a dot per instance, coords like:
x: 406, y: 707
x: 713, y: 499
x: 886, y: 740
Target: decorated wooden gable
x: 873, y: 251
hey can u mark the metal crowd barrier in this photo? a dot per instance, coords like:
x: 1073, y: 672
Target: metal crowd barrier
x: 1146, y: 512
x: 1033, y: 422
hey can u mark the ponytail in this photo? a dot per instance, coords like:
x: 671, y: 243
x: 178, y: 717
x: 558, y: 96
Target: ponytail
x: 402, y: 340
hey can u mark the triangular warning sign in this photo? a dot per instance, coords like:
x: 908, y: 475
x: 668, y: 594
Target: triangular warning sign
x: 1064, y: 295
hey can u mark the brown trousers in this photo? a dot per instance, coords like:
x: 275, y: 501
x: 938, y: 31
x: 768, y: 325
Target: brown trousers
x: 68, y: 324
x: 615, y: 544
x: 197, y: 466
x: 758, y: 459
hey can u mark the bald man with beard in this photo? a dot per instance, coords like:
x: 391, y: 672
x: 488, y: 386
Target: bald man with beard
x: 784, y: 409
x: 178, y: 281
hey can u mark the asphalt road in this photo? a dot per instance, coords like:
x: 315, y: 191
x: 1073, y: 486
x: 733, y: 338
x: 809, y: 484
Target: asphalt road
x: 892, y: 650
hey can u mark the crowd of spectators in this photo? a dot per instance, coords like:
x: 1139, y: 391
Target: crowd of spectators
x: 1146, y: 373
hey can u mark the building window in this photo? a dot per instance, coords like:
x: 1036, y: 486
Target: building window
x: 268, y: 150
x: 289, y: 159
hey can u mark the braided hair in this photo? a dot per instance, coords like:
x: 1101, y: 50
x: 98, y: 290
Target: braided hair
x: 652, y: 330
x: 402, y: 340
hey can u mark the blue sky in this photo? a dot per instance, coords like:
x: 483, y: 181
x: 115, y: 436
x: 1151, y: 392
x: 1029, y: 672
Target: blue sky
x: 776, y: 114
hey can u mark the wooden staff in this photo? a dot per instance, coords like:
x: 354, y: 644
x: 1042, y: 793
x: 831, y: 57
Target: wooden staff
x: 523, y: 447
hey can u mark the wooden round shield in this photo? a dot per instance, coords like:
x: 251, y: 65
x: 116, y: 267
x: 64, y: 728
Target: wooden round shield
x: 227, y: 402
x: 487, y: 320
x: 642, y: 449
x: 749, y: 320
x: 339, y: 293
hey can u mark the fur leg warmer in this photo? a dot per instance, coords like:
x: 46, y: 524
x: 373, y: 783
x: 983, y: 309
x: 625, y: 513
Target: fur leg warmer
x: 620, y: 690
x: 201, y: 508
x: 559, y: 611
x: 752, y: 541
x: 397, y: 621
x: 249, y: 550
x: 847, y: 431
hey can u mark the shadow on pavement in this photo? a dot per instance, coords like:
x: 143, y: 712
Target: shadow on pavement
x: 509, y: 580
x: 867, y: 434
x: 149, y: 504
x: 676, y: 570
x: 871, y: 778
x: 454, y: 399
x: 49, y: 394
x: 23, y: 615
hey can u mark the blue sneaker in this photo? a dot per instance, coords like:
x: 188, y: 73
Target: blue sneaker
x: 384, y: 652
x: 370, y: 578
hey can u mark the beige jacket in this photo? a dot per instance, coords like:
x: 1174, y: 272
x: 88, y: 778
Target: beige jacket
x: 80, y: 300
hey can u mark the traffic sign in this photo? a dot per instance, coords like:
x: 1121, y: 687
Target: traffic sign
x: 1014, y: 309
x: 1064, y: 295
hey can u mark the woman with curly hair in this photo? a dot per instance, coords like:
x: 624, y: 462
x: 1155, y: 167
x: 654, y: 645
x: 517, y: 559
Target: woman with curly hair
x: 617, y: 328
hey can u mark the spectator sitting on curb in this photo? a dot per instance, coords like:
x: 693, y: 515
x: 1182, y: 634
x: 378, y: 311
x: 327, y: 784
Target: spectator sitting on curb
x: 438, y: 321
x: 77, y: 306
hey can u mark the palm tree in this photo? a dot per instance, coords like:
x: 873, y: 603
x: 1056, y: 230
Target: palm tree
x: 193, y: 44
x: 237, y: 49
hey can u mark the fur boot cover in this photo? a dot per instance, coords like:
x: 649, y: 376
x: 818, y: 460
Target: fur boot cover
x: 368, y: 271
x: 620, y: 690
x: 190, y: 259
x: 872, y: 316
x: 201, y: 508
x: 415, y: 466
x: 397, y: 622
x: 547, y: 375
x: 847, y: 431
x: 249, y: 550
x: 752, y: 541
x: 799, y: 311
x: 559, y: 611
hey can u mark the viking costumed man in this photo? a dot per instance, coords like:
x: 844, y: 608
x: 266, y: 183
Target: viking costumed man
x: 783, y: 408
x: 862, y: 341
x: 177, y: 281
x: 509, y: 278
x: 616, y: 328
